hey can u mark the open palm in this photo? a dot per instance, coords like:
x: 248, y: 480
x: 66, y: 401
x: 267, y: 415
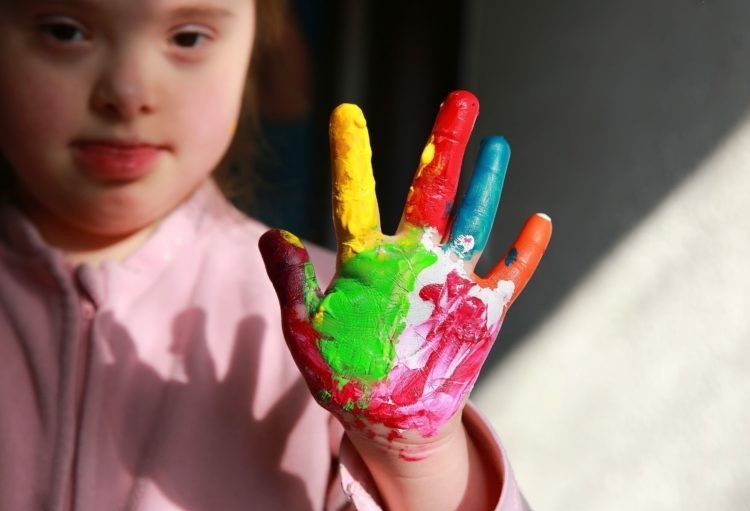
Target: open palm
x: 398, y: 339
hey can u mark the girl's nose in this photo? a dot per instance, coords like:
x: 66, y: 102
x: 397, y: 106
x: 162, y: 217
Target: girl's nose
x: 122, y: 91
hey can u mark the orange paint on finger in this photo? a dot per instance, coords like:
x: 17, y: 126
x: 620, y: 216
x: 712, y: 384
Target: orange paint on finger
x: 522, y: 259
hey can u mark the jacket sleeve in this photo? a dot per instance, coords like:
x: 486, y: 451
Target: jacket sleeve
x: 352, y: 486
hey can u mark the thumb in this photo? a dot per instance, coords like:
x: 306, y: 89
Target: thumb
x: 290, y: 270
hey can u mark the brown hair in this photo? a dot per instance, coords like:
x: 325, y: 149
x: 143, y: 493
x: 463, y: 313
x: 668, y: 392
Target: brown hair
x: 234, y: 174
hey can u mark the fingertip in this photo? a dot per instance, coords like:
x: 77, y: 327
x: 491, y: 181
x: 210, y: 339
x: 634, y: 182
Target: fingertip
x: 275, y: 238
x: 544, y: 216
x: 350, y: 140
x: 494, y: 154
x: 347, y: 114
x: 280, y: 250
x: 497, y: 147
x: 456, y: 117
x: 534, y: 237
x: 540, y: 227
x: 464, y: 100
x: 268, y: 241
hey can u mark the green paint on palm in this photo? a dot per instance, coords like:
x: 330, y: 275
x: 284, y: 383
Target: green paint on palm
x: 363, y: 314
x: 324, y: 396
x: 311, y: 287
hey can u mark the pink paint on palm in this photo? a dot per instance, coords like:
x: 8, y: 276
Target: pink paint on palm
x: 451, y: 326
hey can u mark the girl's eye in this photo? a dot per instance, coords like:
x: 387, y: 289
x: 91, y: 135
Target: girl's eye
x: 189, y: 39
x: 63, y: 31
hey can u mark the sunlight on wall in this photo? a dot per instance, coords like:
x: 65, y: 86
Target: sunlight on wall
x: 635, y: 393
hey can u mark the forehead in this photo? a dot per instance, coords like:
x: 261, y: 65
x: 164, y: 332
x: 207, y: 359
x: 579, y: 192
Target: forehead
x: 208, y: 7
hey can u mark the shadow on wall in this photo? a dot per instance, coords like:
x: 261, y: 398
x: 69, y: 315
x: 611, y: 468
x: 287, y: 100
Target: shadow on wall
x: 607, y: 106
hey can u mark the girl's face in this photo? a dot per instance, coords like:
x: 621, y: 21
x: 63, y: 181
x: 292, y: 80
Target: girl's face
x: 113, y: 111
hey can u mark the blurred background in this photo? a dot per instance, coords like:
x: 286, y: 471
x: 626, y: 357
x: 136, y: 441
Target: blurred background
x: 621, y: 379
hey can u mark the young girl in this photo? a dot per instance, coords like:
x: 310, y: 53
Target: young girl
x: 141, y: 357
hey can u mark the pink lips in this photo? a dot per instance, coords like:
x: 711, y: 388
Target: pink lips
x: 116, y: 160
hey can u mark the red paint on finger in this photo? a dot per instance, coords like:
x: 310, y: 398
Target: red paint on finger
x: 434, y: 188
x: 285, y: 258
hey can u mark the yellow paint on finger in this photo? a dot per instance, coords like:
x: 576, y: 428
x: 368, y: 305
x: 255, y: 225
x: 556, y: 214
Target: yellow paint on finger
x: 292, y: 239
x: 355, y: 206
x: 428, y: 153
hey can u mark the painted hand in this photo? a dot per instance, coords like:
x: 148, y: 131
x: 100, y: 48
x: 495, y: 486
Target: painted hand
x: 398, y: 339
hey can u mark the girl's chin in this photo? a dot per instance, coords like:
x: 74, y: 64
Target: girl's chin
x: 92, y: 229
x: 117, y: 227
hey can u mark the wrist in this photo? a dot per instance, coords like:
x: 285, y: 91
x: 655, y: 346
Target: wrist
x: 412, y: 472
x: 408, y: 447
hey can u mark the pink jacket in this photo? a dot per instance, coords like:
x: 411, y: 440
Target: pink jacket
x: 163, y: 382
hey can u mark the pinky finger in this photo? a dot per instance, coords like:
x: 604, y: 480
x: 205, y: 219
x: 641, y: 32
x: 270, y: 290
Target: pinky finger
x: 520, y: 262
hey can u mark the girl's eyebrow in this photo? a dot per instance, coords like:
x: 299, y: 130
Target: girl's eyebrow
x: 64, y: 3
x: 186, y: 11
x: 200, y: 11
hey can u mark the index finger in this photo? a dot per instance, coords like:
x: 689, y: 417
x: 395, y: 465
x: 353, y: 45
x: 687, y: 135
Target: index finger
x: 433, y: 190
x: 355, y: 206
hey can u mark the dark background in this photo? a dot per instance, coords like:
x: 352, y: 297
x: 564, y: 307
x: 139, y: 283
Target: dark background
x: 607, y: 106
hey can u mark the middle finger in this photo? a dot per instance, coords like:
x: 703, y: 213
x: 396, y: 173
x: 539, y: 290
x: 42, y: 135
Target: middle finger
x: 433, y: 190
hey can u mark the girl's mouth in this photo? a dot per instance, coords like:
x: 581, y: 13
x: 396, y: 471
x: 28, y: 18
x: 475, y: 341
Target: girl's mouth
x: 112, y: 160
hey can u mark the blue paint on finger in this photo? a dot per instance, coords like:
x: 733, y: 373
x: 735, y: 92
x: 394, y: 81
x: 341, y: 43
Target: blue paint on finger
x: 511, y: 257
x: 474, y: 219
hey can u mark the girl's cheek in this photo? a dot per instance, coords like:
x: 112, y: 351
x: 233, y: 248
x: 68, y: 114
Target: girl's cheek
x: 211, y: 121
x: 39, y: 112
x: 215, y: 111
